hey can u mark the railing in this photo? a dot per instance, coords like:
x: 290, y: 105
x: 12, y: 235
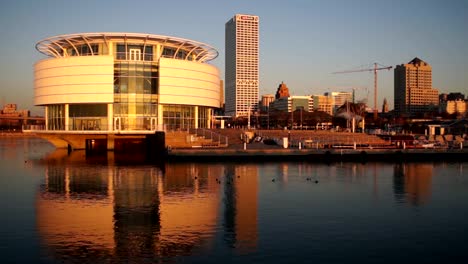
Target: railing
x: 33, y: 127
x: 103, y: 128
x: 134, y: 57
x: 207, y: 134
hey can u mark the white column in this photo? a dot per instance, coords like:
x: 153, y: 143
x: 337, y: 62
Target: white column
x: 160, y: 115
x: 110, y: 48
x: 46, y: 114
x: 210, y: 116
x: 110, y: 117
x: 196, y: 117
x: 157, y: 52
x: 67, y: 120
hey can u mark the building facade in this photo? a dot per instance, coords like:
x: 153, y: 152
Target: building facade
x: 282, y: 91
x: 265, y: 102
x: 323, y: 103
x: 453, y: 106
x: 339, y: 98
x: 413, y: 91
x: 126, y: 82
x: 242, y: 65
x: 293, y: 103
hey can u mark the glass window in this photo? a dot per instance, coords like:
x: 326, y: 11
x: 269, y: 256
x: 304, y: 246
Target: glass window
x: 56, y: 117
x: 87, y: 110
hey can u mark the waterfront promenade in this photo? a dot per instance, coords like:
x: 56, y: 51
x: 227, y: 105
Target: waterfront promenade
x: 325, y: 146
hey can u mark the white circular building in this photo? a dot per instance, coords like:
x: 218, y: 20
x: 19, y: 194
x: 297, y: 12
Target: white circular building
x: 125, y: 82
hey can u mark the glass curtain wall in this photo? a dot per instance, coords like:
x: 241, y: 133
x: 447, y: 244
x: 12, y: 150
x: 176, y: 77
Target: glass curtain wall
x: 88, y: 117
x: 177, y: 117
x: 135, y: 88
x: 56, y: 117
x: 203, y: 116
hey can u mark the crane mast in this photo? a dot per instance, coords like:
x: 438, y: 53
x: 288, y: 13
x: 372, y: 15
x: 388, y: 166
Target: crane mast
x: 375, y: 70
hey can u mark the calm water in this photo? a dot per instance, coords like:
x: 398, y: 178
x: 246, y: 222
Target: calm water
x: 57, y: 208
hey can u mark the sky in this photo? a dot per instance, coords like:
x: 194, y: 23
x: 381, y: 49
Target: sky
x: 302, y: 42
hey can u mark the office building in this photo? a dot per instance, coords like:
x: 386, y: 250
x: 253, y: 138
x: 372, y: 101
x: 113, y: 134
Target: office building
x: 453, y: 107
x: 265, y: 102
x: 413, y: 91
x: 242, y: 65
x: 323, y: 103
x: 293, y: 103
x: 339, y: 98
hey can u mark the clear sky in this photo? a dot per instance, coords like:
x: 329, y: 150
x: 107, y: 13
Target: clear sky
x: 301, y: 41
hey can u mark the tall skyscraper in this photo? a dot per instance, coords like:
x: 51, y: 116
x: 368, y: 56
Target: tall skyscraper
x: 241, y: 73
x: 413, y: 88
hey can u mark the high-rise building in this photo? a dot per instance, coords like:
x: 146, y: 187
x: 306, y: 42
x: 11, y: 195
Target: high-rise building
x: 242, y: 61
x: 340, y: 98
x: 323, y: 103
x: 265, y: 103
x: 413, y: 88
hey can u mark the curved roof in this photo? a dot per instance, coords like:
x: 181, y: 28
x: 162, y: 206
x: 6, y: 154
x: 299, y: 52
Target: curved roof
x: 53, y: 46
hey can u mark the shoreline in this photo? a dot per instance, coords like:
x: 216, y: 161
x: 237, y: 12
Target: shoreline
x: 259, y: 152
x: 317, y: 155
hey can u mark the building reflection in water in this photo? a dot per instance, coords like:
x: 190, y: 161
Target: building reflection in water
x: 241, y: 207
x: 106, y: 212
x: 412, y: 182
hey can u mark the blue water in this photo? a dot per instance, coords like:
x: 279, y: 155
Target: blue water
x: 60, y: 208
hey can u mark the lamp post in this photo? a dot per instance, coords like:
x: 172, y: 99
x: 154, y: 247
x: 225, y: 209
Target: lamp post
x: 301, y: 117
x: 268, y: 117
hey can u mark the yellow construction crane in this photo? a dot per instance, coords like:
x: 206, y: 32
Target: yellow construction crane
x: 375, y: 69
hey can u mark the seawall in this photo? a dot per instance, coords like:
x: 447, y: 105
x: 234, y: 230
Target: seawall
x: 317, y: 155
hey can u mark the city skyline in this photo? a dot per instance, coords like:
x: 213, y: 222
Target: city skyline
x: 301, y: 42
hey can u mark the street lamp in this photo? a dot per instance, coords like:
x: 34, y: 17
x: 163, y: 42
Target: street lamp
x: 301, y: 117
x: 268, y: 117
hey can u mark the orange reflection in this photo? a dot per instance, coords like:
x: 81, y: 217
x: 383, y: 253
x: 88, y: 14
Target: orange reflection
x: 241, y: 206
x: 122, y: 212
x: 413, y: 181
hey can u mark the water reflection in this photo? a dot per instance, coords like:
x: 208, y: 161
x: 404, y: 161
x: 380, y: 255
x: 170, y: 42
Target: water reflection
x: 241, y: 206
x: 412, y: 182
x: 106, y: 211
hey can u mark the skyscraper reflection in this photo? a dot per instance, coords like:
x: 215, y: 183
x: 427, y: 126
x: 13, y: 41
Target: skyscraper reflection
x: 241, y: 207
x: 412, y: 182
